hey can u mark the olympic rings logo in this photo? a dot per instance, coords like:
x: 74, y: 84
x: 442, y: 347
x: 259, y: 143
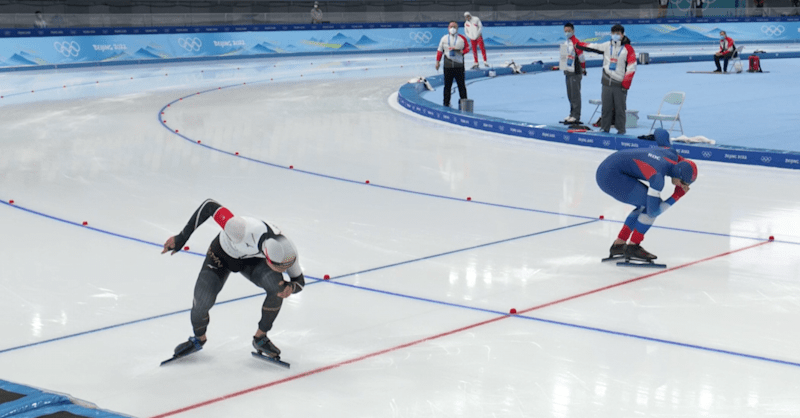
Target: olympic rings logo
x: 421, y: 37
x: 67, y: 48
x: 190, y: 44
x: 707, y: 154
x: 770, y: 30
x: 766, y: 159
x: 606, y: 142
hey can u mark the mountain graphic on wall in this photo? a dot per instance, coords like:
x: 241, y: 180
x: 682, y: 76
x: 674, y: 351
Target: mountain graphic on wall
x: 22, y: 59
x: 347, y: 46
x: 494, y: 42
x: 531, y: 41
x: 150, y: 53
x: 365, y: 41
x: 119, y: 57
x: 261, y: 49
x: 233, y: 52
x: 677, y: 34
x: 339, y: 38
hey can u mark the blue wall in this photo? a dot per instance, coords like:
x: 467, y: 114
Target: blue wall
x: 30, y: 48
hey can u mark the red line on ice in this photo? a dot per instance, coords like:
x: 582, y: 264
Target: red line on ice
x: 444, y: 334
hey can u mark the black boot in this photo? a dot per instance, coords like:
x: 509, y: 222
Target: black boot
x: 616, y: 249
x: 635, y: 251
x: 264, y: 346
x: 190, y: 346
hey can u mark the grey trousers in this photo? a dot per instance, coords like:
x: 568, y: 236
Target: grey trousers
x: 614, y: 99
x: 574, y: 94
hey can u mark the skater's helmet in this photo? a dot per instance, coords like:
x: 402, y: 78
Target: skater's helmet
x: 280, y: 251
x: 686, y: 171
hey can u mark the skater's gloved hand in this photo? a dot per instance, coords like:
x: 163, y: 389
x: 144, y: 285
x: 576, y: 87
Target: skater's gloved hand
x: 584, y: 71
x: 173, y: 244
x: 287, y: 291
x: 678, y: 193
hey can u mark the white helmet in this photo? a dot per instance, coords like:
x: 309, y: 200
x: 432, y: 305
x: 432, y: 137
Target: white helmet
x: 280, y: 252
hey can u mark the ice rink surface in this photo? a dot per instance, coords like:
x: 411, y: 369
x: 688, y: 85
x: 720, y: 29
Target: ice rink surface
x: 414, y: 321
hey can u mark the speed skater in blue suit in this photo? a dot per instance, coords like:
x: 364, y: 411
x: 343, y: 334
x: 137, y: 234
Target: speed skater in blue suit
x: 623, y: 175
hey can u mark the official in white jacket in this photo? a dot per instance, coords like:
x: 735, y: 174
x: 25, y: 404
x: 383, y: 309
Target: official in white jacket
x: 619, y: 66
x: 453, y: 47
x: 473, y: 28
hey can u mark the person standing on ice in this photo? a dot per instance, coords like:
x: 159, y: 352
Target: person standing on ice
x: 452, y: 48
x: 619, y: 67
x: 621, y: 176
x: 573, y: 62
x: 473, y: 28
x: 256, y: 249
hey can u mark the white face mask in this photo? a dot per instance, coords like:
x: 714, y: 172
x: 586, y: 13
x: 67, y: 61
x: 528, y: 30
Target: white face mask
x: 569, y: 34
x: 616, y: 38
x: 453, y: 31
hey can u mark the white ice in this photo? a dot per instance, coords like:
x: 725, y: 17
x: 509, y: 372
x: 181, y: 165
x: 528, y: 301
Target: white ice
x: 413, y: 322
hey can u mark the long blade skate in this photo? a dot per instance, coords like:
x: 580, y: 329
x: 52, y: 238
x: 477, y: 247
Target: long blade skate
x: 186, y: 348
x: 177, y: 356
x: 640, y: 263
x: 274, y: 360
x: 612, y: 258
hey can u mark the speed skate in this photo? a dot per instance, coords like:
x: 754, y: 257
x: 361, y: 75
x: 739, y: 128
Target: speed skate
x: 274, y: 360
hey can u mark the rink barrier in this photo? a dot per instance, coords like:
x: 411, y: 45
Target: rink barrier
x: 27, y: 402
x: 26, y: 49
x: 409, y: 97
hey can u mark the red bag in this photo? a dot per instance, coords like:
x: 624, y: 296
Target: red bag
x: 755, y: 64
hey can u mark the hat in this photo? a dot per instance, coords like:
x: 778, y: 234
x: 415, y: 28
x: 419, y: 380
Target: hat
x: 685, y: 170
x: 280, y: 252
x: 467, y: 14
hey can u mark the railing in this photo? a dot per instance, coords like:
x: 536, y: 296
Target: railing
x: 206, y: 19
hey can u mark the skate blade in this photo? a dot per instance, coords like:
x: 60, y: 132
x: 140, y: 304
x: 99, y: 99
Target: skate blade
x: 273, y: 360
x: 612, y: 258
x: 179, y: 356
x: 648, y: 264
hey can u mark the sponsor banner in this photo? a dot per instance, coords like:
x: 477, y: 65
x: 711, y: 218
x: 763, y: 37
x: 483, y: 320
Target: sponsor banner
x: 408, y: 97
x: 74, y: 46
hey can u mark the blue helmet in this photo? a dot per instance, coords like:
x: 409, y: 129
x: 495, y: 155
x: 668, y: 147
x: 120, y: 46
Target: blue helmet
x: 686, y: 171
x: 662, y: 137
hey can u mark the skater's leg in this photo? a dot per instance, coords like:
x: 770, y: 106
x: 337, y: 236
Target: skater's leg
x: 272, y: 282
x: 209, y: 283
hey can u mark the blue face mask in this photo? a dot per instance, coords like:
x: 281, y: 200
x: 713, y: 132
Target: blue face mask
x: 568, y: 35
x: 616, y: 38
x: 722, y: 37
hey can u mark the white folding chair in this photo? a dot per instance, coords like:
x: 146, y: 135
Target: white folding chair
x: 597, y: 104
x: 736, y: 59
x: 674, y: 98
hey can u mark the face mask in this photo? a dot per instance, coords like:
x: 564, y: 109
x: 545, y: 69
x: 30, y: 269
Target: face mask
x: 616, y: 38
x: 722, y: 37
x: 453, y: 31
x: 568, y: 34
